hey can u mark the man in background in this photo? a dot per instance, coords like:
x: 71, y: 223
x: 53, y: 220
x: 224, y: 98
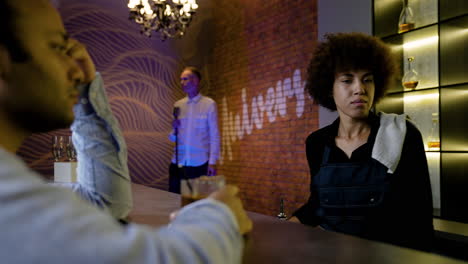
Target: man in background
x: 195, y: 129
x: 40, y: 70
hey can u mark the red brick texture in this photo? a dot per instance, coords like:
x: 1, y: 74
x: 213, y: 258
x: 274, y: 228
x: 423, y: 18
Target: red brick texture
x: 257, y: 73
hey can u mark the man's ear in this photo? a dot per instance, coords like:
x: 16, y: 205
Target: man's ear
x: 5, y: 61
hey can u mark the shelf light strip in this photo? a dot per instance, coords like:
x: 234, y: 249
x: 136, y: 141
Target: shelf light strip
x: 421, y: 42
x: 414, y: 98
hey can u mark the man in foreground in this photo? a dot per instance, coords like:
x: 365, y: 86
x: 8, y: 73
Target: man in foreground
x: 40, y: 68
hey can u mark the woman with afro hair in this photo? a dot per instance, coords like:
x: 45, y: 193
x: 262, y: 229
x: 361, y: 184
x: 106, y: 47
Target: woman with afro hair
x: 369, y: 173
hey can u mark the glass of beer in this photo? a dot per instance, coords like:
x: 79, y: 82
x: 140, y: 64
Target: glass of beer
x: 195, y: 189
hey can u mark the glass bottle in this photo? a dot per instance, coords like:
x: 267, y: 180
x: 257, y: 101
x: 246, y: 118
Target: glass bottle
x: 433, y: 141
x: 406, y: 21
x: 282, y: 215
x: 411, y: 78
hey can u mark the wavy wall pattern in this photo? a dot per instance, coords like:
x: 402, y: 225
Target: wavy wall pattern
x: 140, y: 77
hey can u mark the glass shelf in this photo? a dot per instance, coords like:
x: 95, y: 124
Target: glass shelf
x: 423, y: 46
x: 433, y: 162
x: 407, y: 91
x: 387, y: 12
x: 419, y: 106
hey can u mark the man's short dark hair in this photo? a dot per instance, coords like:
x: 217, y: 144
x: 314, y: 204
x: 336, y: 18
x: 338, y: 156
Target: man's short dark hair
x: 7, y: 32
x: 347, y: 52
x: 194, y: 70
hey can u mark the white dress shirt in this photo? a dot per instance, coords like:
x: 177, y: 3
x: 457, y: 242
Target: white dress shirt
x: 198, y: 140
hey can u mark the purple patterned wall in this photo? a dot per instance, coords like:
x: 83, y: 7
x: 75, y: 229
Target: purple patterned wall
x: 140, y: 77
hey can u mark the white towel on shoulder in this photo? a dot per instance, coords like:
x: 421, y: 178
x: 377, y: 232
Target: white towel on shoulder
x: 388, y: 144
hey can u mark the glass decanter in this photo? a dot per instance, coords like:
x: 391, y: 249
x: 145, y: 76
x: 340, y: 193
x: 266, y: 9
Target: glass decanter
x: 406, y: 21
x: 71, y: 152
x: 433, y: 141
x: 411, y: 78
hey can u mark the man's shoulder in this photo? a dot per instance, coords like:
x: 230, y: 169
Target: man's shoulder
x: 207, y: 99
x: 181, y: 101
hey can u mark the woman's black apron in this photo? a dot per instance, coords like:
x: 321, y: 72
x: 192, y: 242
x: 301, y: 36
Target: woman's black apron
x: 349, y: 193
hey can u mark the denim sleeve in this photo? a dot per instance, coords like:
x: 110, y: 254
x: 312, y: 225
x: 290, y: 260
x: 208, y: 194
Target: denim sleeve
x: 103, y: 177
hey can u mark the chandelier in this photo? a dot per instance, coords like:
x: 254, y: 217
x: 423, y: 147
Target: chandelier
x: 169, y: 19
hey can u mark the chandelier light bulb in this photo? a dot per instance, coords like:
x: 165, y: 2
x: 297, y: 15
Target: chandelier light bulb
x: 175, y: 2
x: 187, y: 8
x: 132, y: 3
x: 168, y: 11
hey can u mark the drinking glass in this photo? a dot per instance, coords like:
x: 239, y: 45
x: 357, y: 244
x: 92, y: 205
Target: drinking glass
x: 57, y: 147
x: 71, y: 152
x: 195, y: 189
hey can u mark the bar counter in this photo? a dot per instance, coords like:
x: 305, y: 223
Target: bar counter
x: 274, y: 241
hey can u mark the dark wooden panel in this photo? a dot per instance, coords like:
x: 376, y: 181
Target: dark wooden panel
x: 452, y: 8
x: 392, y: 103
x: 454, y: 186
x: 454, y: 51
x: 386, y: 14
x: 453, y: 118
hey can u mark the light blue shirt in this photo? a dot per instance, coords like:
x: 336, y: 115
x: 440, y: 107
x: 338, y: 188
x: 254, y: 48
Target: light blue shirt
x: 43, y: 223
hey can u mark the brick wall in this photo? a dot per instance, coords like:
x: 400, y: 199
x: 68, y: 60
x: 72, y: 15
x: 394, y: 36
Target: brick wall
x: 257, y: 72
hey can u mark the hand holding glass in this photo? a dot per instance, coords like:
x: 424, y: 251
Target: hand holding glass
x: 200, y: 188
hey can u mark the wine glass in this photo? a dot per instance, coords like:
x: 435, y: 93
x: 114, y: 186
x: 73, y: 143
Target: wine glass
x: 57, y: 147
x: 71, y: 152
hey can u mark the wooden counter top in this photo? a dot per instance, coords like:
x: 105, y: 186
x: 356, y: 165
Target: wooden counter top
x: 274, y: 241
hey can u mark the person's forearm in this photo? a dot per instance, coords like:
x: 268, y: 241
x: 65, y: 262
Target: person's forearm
x: 103, y: 176
x: 213, y: 225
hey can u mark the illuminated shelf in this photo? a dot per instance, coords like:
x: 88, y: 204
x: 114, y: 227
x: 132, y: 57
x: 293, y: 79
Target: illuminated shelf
x: 413, y: 91
x: 438, y: 44
x: 393, y: 35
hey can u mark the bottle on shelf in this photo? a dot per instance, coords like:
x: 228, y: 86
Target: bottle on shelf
x: 406, y: 21
x: 411, y: 78
x: 282, y: 216
x: 433, y: 141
